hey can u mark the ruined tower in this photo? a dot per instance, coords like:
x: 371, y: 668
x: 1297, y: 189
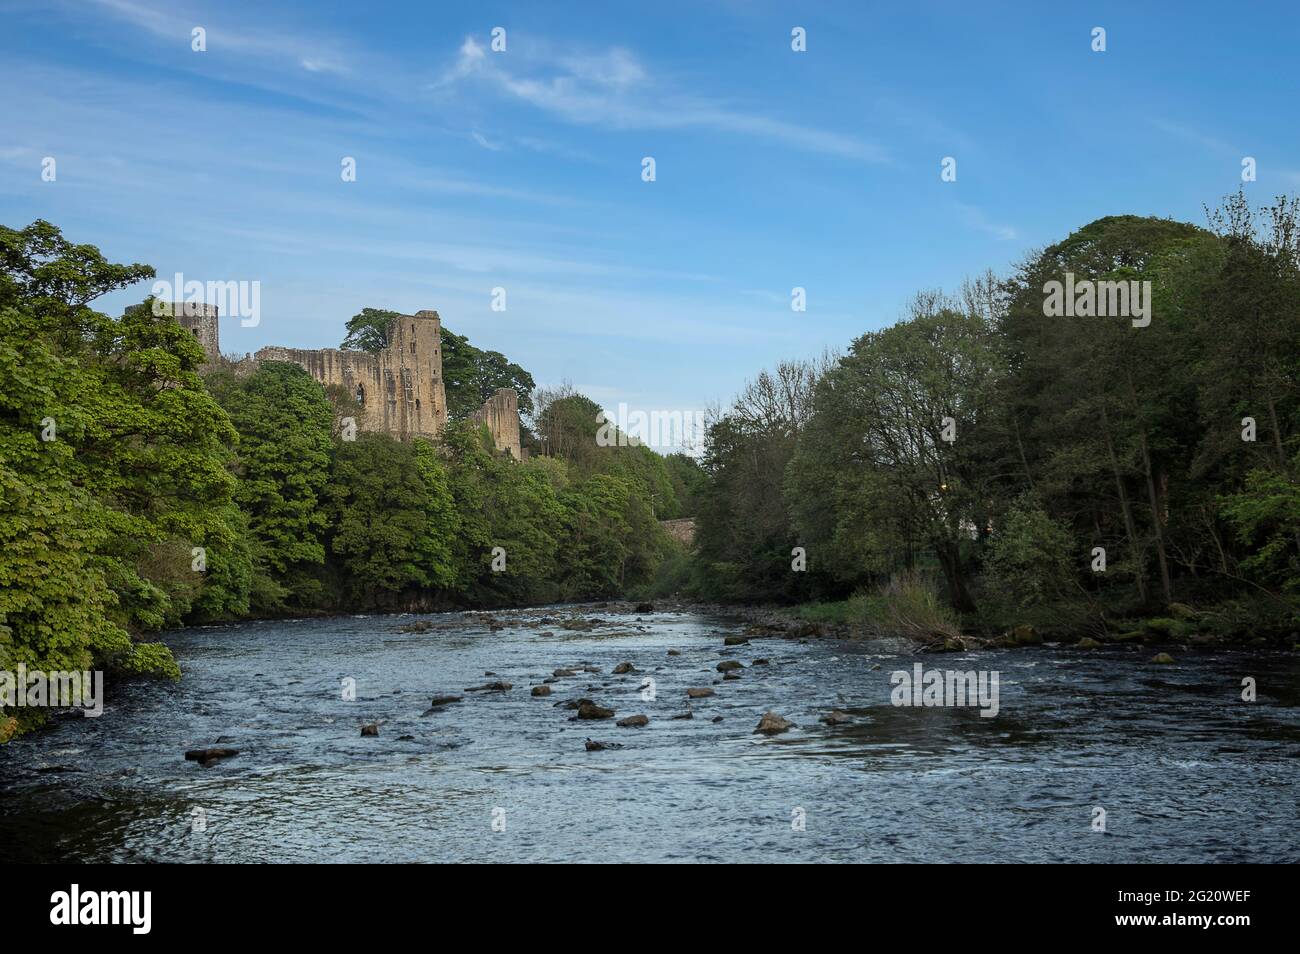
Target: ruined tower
x: 500, y: 413
x: 201, y: 321
x: 400, y: 388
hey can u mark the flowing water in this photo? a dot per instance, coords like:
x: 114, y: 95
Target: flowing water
x: 1184, y: 769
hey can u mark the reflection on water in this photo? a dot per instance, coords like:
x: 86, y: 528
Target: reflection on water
x: 1185, y: 770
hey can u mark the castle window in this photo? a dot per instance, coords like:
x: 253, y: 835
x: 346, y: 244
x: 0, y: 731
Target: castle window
x: 417, y: 404
x: 361, y: 395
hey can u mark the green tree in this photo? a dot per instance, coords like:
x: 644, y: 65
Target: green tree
x: 377, y: 504
x: 80, y: 519
x: 284, y: 421
x: 471, y: 376
x: 368, y: 330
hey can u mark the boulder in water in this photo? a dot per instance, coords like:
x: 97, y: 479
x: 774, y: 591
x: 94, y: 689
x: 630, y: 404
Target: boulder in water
x: 589, y: 710
x: 633, y: 722
x: 699, y: 693
x: 771, y: 723
x: 1025, y: 635
x: 729, y: 664
x: 490, y: 687
x: 209, y: 757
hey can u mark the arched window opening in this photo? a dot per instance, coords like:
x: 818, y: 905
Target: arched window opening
x: 361, y: 395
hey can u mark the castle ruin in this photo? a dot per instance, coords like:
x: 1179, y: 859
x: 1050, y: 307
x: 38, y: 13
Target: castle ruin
x: 400, y: 389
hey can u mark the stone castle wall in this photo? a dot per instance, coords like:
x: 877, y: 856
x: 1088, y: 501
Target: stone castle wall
x: 501, y: 415
x: 400, y: 389
x: 682, y: 530
x: 201, y: 321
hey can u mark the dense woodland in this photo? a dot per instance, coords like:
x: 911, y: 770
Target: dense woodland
x: 960, y: 470
x: 1071, y: 433
x: 141, y: 489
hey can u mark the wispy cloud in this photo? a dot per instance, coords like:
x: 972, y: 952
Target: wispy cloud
x: 312, y: 55
x: 977, y: 219
x: 616, y: 90
x: 1196, y: 137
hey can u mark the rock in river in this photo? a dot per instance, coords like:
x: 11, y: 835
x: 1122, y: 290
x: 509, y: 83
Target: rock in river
x: 771, y: 723
x: 836, y: 717
x: 371, y: 728
x: 729, y: 664
x: 594, y: 746
x: 1025, y: 635
x: 623, y: 667
x: 490, y: 687
x: 208, y: 757
x: 541, y: 690
x: 633, y: 722
x: 699, y: 693
x: 589, y: 710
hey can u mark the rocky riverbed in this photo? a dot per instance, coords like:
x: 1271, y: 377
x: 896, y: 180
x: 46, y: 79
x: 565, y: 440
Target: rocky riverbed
x: 671, y: 733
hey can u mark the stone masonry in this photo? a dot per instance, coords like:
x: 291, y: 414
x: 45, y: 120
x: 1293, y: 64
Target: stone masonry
x: 501, y: 415
x: 400, y: 389
x: 201, y: 321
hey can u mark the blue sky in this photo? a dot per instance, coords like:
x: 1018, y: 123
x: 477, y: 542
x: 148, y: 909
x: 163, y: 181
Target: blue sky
x: 522, y: 169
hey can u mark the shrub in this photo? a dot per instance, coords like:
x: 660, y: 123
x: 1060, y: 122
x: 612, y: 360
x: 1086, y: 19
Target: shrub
x: 910, y: 605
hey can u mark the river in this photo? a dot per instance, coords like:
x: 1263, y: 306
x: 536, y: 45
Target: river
x: 1184, y: 769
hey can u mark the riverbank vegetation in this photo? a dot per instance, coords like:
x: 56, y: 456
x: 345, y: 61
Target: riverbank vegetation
x: 141, y: 488
x: 982, y: 466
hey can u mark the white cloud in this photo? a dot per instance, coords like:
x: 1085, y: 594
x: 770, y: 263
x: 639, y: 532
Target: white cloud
x: 976, y: 219
x: 312, y: 55
x: 614, y: 89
